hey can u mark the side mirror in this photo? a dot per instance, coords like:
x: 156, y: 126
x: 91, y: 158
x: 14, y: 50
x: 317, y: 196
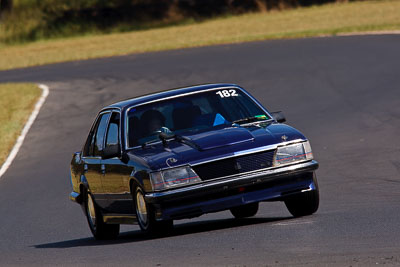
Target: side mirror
x: 278, y: 116
x: 111, y: 151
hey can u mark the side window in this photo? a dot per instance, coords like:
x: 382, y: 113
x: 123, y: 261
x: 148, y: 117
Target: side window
x: 100, y: 133
x: 113, y: 129
x: 91, y: 140
x: 89, y: 146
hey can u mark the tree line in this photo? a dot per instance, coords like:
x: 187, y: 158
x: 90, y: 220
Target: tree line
x: 30, y: 20
x: 191, y: 7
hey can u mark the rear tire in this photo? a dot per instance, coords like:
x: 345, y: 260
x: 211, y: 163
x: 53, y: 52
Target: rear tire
x: 99, y: 229
x: 305, y: 203
x: 245, y: 211
x: 146, y: 216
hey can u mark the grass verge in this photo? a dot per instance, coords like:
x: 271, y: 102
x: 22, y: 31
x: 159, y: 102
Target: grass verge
x: 16, y: 104
x: 327, y: 19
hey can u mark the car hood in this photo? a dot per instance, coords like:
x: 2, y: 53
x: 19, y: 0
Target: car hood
x: 214, y: 144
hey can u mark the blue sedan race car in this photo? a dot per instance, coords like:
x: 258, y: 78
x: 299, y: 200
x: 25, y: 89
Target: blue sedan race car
x: 185, y: 152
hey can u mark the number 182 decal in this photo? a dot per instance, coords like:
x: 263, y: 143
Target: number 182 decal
x: 227, y: 93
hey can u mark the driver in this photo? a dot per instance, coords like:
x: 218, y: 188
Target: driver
x: 152, y: 121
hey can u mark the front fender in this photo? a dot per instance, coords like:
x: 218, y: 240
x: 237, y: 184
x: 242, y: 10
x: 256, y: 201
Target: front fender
x: 142, y: 179
x: 78, y: 196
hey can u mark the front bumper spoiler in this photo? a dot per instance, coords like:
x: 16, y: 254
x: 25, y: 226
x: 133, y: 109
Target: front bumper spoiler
x: 225, y: 193
x: 236, y: 181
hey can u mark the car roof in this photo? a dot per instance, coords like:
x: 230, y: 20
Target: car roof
x: 167, y: 93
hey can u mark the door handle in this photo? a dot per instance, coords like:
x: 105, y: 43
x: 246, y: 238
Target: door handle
x: 103, y: 169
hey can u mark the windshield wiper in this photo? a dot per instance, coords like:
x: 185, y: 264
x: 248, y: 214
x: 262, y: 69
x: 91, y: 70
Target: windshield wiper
x: 244, y: 120
x: 150, y: 142
x: 253, y: 119
x: 181, y: 139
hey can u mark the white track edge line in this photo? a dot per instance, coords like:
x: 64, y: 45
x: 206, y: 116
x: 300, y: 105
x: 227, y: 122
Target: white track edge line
x: 352, y: 34
x: 383, y: 32
x: 20, y: 140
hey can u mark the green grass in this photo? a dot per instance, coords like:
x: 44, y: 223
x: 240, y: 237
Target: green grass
x: 330, y: 19
x: 16, y: 104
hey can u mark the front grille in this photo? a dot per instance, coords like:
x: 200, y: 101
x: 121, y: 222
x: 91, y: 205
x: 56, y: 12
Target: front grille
x: 236, y: 165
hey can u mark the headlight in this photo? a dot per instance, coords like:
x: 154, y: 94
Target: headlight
x: 173, y: 178
x: 292, y: 153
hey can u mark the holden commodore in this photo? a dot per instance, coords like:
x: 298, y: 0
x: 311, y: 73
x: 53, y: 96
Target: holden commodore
x: 185, y: 152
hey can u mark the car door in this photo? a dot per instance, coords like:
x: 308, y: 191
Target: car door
x: 116, y: 174
x: 92, y: 159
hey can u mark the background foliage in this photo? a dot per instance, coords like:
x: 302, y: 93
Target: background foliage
x: 31, y: 20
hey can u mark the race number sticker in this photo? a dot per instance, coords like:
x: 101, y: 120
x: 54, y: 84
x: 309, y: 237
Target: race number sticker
x: 227, y: 93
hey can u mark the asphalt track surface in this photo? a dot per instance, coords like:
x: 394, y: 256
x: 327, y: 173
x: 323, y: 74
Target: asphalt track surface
x: 342, y: 92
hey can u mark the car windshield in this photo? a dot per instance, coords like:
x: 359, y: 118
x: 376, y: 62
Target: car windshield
x: 191, y: 114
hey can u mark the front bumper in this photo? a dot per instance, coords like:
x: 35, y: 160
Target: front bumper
x: 225, y: 193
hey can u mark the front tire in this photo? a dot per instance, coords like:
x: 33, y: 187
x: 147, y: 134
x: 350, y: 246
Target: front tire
x: 146, y: 216
x: 245, y: 211
x: 99, y: 229
x: 305, y: 203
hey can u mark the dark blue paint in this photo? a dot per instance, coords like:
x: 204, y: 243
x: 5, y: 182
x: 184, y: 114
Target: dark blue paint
x: 215, y: 144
